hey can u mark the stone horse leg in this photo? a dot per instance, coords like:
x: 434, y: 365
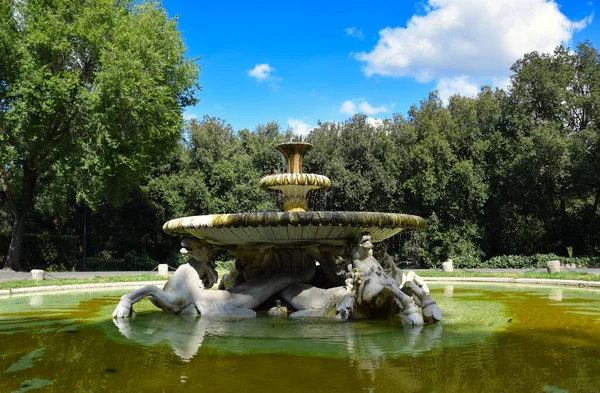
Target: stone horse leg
x: 177, y: 295
x: 243, y: 298
x: 374, y: 287
x: 311, y: 301
x: 184, y: 286
x: 431, y: 311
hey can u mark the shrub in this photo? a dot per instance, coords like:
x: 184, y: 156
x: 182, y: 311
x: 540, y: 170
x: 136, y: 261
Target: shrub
x: 50, y: 252
x: 518, y: 261
x: 225, y: 265
x: 582, y: 261
x: 466, y: 262
x: 133, y: 261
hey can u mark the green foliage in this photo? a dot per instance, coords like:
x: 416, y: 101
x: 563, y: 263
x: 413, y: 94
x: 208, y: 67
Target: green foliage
x: 132, y: 261
x: 91, y: 94
x: 225, y: 265
x: 46, y: 250
x: 518, y: 261
x: 496, y: 176
x: 466, y: 262
x: 521, y: 261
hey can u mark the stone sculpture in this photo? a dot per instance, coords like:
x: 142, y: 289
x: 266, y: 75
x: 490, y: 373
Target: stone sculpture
x: 369, y: 290
x: 320, y: 263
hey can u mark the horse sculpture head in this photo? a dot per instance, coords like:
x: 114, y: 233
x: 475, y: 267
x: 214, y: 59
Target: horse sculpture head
x: 201, y: 257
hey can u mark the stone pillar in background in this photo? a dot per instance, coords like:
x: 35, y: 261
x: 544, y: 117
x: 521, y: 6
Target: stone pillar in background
x: 163, y: 270
x: 37, y: 274
x: 553, y: 266
x: 447, y: 266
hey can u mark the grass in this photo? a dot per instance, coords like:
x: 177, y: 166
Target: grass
x: 423, y: 273
x: 552, y: 276
x: 70, y: 281
x: 93, y: 280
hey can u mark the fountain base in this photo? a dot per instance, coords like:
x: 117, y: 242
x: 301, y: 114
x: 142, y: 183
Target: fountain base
x: 290, y: 272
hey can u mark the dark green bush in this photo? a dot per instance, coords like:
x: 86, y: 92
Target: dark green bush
x: 132, y: 261
x: 50, y: 252
x: 521, y: 261
x: 518, y: 261
x: 46, y: 251
x: 466, y: 262
x: 582, y: 261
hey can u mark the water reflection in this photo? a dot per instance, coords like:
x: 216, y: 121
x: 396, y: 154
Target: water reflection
x: 449, y: 290
x: 548, y: 344
x: 556, y: 294
x: 187, y: 334
x: 36, y: 300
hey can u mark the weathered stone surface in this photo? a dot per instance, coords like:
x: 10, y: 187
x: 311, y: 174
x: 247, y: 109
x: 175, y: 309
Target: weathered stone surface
x: 448, y: 266
x: 163, y: 270
x: 553, y: 266
x: 369, y: 290
x: 278, y: 310
x: 37, y: 274
x: 242, y: 229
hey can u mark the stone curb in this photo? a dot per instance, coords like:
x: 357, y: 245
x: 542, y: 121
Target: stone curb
x: 536, y: 281
x: 57, y: 288
x: 109, y: 285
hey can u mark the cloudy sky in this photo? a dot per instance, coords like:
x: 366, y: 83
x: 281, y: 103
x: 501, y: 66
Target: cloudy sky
x: 300, y: 62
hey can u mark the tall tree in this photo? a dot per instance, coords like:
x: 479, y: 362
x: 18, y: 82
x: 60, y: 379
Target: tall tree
x: 91, y: 95
x: 551, y: 186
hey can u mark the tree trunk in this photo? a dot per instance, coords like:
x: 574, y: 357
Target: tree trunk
x: 594, y: 220
x: 13, y: 259
x: 596, y: 200
x: 16, y: 243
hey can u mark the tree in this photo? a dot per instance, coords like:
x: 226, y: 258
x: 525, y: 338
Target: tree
x: 91, y: 95
x: 550, y: 182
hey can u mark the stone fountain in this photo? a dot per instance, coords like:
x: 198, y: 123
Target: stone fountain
x: 320, y: 263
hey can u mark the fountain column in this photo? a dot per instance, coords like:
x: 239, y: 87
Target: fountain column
x: 294, y: 184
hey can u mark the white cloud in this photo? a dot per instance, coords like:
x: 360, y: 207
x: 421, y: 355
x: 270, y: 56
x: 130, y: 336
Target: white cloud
x: 448, y: 87
x: 374, y: 122
x: 349, y: 108
x: 299, y: 127
x: 189, y: 116
x: 479, y: 38
x: 370, y: 110
x: 354, y: 32
x: 261, y: 72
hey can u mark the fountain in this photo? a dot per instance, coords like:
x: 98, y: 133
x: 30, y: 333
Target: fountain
x: 321, y: 263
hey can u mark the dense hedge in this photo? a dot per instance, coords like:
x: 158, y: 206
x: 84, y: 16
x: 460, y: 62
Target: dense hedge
x: 132, y: 261
x: 52, y: 252
x: 522, y: 261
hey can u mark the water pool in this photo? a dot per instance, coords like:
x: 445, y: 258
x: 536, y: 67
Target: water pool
x: 493, y: 338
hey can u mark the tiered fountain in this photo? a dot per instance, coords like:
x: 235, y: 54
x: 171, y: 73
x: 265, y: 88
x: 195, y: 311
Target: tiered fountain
x: 314, y: 260
x: 295, y: 226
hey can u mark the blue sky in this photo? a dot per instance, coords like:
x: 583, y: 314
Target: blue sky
x: 300, y: 62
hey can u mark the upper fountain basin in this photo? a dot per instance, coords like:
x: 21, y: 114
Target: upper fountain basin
x: 309, y: 180
x: 320, y: 227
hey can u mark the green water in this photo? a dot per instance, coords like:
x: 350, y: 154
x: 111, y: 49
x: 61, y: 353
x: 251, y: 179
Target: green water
x: 492, y: 339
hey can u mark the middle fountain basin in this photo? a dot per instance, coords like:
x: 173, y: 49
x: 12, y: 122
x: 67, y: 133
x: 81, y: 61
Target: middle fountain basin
x: 320, y: 227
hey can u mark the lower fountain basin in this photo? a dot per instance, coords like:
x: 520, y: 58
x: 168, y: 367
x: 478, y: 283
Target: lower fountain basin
x: 324, y: 227
x: 69, y: 343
